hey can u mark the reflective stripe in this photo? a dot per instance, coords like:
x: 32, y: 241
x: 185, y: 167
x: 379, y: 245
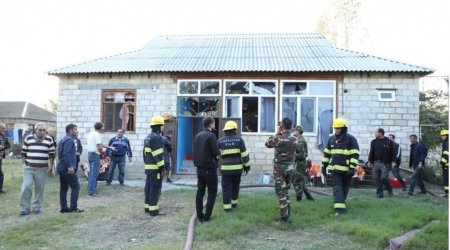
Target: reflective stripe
x: 146, y: 206
x: 148, y: 150
x: 338, y: 167
x: 353, y: 160
x: 151, y: 167
x: 230, y: 151
x: 226, y: 206
x: 344, y: 151
x: 339, y: 205
x: 231, y: 167
x: 326, y: 150
x: 152, y: 208
x: 326, y: 160
x: 157, y: 152
x: 160, y: 163
x: 445, y: 187
x: 354, y: 151
x: 234, y: 202
x: 158, y: 176
x: 445, y: 152
x: 247, y: 164
x: 244, y: 154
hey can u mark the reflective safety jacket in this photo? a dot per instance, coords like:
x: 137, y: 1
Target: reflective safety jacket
x: 234, y: 154
x: 153, y: 152
x: 444, y: 156
x: 341, y: 153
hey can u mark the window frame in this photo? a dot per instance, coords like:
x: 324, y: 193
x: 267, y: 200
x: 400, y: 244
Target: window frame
x: 102, y: 114
x: 383, y: 91
x: 308, y: 96
x: 198, y: 94
x: 250, y: 94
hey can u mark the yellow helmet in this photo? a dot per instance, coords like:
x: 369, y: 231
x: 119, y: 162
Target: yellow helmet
x: 444, y: 132
x: 339, y: 123
x: 157, y: 120
x: 229, y: 125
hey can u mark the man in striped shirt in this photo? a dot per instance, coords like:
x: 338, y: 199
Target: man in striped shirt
x: 38, y: 152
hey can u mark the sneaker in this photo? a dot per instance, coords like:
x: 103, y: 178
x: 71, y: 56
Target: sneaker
x: 76, y: 210
x: 122, y: 184
x: 169, y: 180
x: 92, y: 195
x: 23, y: 213
x: 37, y: 212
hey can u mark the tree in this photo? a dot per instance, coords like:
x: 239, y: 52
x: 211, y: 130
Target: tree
x: 340, y: 21
x: 51, y: 106
x: 433, y: 111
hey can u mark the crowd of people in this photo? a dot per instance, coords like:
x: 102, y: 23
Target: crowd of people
x: 341, y: 157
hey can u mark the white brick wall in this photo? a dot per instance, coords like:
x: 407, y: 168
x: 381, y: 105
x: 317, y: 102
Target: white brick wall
x: 79, y: 102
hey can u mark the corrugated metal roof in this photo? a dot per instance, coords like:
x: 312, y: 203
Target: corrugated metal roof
x: 241, y: 53
x: 25, y: 110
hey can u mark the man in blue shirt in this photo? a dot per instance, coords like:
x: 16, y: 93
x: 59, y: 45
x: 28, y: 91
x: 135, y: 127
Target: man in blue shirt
x: 417, y: 156
x: 117, y: 157
x: 67, y: 169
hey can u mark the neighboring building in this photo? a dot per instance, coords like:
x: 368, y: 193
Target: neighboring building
x: 253, y: 79
x: 20, y: 118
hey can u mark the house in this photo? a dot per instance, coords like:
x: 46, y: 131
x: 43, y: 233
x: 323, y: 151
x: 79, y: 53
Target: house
x: 20, y: 118
x: 254, y: 79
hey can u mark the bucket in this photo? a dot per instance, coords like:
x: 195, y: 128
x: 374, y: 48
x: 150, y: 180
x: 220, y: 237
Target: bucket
x: 266, y: 178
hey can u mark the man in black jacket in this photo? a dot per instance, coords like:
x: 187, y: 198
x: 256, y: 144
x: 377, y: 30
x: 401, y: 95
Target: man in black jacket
x: 417, y: 156
x: 205, y: 159
x: 381, y: 156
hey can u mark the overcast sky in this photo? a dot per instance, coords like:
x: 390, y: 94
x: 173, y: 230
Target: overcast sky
x: 38, y: 36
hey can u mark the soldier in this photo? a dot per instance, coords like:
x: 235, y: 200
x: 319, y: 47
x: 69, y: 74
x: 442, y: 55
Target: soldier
x: 283, y: 163
x: 154, y: 164
x: 298, y: 178
x: 444, y: 160
x: 341, y: 157
x: 235, y: 159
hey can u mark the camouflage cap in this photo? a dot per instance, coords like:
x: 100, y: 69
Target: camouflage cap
x: 299, y: 128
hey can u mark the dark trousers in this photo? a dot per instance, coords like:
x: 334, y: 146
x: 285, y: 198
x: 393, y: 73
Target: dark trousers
x: 444, y: 179
x: 1, y: 175
x: 396, y: 173
x: 206, y: 178
x: 381, y: 173
x: 341, y: 185
x: 153, y: 185
x: 230, y: 189
x: 68, y: 180
x: 417, y: 177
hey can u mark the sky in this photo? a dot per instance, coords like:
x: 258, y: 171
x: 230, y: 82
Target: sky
x: 39, y: 36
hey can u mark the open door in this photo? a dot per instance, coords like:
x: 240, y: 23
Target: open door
x: 170, y: 130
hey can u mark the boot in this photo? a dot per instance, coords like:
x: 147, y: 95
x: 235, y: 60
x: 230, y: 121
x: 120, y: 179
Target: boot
x: 308, y: 195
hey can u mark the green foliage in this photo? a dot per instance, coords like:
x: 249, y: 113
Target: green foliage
x: 433, y: 110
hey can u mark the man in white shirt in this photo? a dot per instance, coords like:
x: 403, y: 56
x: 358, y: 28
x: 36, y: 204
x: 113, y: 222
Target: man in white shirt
x: 95, y: 149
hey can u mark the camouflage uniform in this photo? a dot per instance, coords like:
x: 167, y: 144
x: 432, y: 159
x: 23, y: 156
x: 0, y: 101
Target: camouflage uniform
x: 298, y: 178
x: 283, y: 163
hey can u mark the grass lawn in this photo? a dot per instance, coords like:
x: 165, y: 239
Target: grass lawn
x: 116, y: 221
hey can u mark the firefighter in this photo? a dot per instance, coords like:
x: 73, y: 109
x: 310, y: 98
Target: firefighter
x: 283, y: 164
x: 444, y: 160
x: 154, y: 164
x: 235, y: 160
x: 341, y: 157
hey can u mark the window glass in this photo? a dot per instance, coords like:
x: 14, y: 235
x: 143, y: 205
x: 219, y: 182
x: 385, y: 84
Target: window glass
x: 307, y: 108
x: 118, y: 110
x: 294, y: 88
x: 263, y: 88
x: 232, y: 107
x: 290, y: 109
x: 188, y: 87
x: 209, y: 106
x: 237, y: 87
x: 321, y: 88
x: 267, y: 121
x: 188, y: 106
x: 209, y: 87
x: 325, y: 113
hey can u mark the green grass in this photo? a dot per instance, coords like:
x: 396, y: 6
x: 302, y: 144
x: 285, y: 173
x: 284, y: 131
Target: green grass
x: 116, y: 221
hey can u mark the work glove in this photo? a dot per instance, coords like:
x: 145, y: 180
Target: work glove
x: 351, y: 172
